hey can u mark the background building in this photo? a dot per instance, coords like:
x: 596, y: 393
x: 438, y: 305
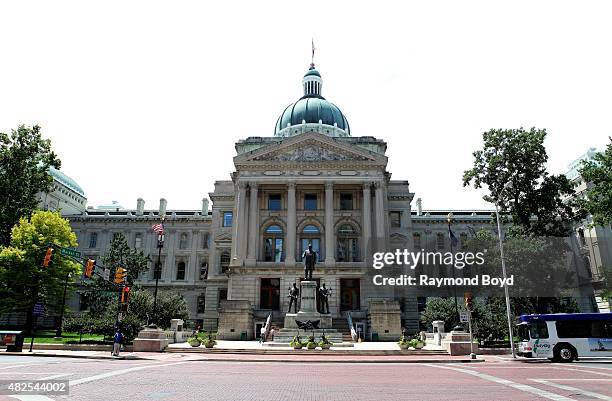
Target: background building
x: 595, y: 242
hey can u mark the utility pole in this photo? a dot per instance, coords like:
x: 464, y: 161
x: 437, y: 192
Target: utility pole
x: 58, y: 330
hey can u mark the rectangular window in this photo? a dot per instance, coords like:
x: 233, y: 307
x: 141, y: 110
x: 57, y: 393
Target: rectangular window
x: 205, y: 241
x: 202, y: 303
x: 395, y: 219
x: 346, y: 201
x: 573, y: 328
x: 273, y: 251
x: 180, y: 271
x: 138, y: 241
x: 274, y: 202
x: 227, y: 219
x: 93, y: 240
x: 222, y: 294
x: 539, y: 330
x: 310, y: 202
x: 416, y: 239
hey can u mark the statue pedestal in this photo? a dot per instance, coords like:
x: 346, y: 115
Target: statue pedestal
x: 150, y: 340
x: 308, y: 311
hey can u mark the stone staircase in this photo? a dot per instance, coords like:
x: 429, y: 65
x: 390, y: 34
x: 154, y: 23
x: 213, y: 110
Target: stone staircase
x: 341, y: 325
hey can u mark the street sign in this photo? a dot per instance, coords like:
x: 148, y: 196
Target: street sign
x: 70, y: 252
x: 464, y: 316
x: 106, y: 274
x: 39, y: 309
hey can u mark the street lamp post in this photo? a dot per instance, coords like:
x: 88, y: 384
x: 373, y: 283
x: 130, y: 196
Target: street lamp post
x: 160, y: 245
x: 503, y: 264
x: 449, y: 219
x: 58, y: 330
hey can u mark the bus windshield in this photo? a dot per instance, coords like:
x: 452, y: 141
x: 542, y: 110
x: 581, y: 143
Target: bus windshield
x: 523, y: 332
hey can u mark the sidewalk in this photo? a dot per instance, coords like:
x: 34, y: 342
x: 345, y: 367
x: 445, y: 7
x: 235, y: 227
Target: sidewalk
x: 289, y: 357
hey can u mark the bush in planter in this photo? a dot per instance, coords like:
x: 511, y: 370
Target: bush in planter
x: 209, y: 341
x: 403, y: 342
x: 311, y: 344
x: 324, y: 343
x: 296, y: 343
x: 194, y: 341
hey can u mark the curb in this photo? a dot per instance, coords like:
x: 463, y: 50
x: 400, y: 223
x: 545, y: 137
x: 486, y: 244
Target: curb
x: 342, y: 360
x: 76, y: 356
x: 257, y: 360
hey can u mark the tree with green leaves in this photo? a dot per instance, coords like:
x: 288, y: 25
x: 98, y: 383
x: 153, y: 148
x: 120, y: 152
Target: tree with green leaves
x: 598, y: 174
x: 25, y: 158
x: 99, y: 292
x: 24, y: 281
x: 535, y: 200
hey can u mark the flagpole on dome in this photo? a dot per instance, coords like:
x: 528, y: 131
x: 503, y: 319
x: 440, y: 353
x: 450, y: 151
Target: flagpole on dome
x: 312, y: 65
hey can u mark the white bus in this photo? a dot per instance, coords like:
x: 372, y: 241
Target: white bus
x: 565, y: 337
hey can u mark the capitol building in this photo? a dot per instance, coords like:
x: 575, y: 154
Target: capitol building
x: 313, y: 181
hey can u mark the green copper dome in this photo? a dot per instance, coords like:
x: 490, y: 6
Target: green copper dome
x: 312, y: 109
x: 67, y: 181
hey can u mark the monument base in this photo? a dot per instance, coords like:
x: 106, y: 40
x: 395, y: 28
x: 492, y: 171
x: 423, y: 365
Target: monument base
x: 307, y: 312
x: 150, y: 340
x: 458, y: 343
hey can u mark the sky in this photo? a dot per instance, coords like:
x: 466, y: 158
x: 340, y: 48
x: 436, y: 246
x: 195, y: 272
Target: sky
x: 146, y: 98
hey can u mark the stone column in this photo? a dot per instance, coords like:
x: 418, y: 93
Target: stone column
x: 291, y: 225
x: 237, y: 218
x: 380, y: 212
x: 330, y: 234
x: 243, y: 228
x: 367, y: 219
x: 253, y: 224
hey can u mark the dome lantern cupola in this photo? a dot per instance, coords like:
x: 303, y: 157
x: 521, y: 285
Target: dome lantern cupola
x: 312, y: 82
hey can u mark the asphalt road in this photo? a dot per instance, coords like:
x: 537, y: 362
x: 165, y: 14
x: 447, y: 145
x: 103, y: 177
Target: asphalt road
x: 186, y: 377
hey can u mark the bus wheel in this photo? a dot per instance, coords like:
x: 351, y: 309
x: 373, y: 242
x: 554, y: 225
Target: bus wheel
x: 564, y: 353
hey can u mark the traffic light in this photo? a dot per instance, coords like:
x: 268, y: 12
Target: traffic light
x: 125, y: 294
x: 89, y: 268
x: 48, y: 256
x: 468, y: 299
x: 120, y: 275
x: 124, y: 298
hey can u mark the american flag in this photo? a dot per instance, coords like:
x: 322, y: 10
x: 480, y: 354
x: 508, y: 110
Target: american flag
x: 158, y: 228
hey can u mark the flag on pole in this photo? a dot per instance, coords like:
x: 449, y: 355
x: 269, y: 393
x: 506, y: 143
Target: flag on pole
x: 313, y: 51
x: 158, y: 228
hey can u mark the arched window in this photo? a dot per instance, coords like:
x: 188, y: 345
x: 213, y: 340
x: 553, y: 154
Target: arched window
x: 273, y: 244
x: 180, y: 271
x: 224, y: 261
x: 347, y: 249
x: 311, y: 235
x: 183, y: 241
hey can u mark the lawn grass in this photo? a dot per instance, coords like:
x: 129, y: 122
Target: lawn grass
x: 48, y: 337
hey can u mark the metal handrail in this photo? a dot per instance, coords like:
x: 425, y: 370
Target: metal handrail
x: 349, y: 320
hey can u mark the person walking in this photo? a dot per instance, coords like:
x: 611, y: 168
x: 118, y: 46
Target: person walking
x: 117, y: 340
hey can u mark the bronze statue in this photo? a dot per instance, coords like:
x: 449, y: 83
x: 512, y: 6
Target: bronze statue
x: 310, y: 259
x: 294, y: 293
x: 324, y: 294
